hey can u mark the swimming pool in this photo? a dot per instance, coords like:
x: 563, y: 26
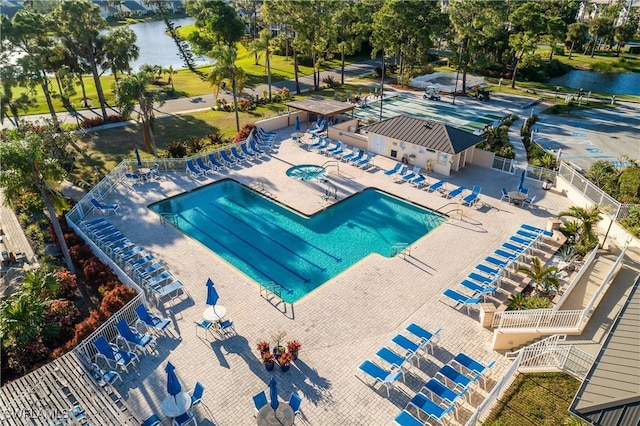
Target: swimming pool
x: 272, y: 243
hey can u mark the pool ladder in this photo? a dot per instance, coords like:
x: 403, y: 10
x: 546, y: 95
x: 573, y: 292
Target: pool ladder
x: 169, y: 218
x: 334, y: 163
x: 402, y: 249
x: 273, y: 289
x: 330, y: 191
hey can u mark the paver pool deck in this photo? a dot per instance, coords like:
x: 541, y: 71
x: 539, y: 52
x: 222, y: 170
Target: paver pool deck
x: 339, y: 325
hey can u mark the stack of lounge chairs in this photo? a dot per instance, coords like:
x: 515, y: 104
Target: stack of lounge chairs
x: 142, y: 267
x: 486, y: 278
x: 393, y: 363
x: 440, y: 396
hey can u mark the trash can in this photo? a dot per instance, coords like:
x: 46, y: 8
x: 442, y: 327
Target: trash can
x: 546, y: 185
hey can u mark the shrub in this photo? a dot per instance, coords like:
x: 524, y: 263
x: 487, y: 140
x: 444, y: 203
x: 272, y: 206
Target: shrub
x: 116, y: 299
x: 330, y: 82
x: 67, y: 285
x: 30, y: 203
x: 195, y: 145
x: 244, y: 132
x: 22, y: 357
x: 176, y: 149
x: 245, y: 104
x: 85, y: 328
x: 217, y: 139
x: 64, y: 314
x: 284, y: 94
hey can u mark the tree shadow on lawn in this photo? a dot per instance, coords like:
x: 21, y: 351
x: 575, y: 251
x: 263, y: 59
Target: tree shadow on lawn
x: 106, y: 148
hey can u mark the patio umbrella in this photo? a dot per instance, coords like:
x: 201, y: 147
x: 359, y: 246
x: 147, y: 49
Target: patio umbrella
x: 138, y: 159
x: 521, y: 183
x: 173, y: 385
x: 297, y: 123
x: 273, y: 393
x: 212, y: 294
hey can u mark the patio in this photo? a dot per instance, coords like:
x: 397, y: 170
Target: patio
x: 342, y: 323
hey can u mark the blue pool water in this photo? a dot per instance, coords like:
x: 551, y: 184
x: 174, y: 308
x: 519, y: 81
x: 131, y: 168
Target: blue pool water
x: 270, y: 242
x: 307, y: 172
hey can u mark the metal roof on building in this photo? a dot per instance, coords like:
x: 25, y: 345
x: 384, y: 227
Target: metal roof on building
x: 430, y: 134
x: 321, y: 106
x: 610, y: 393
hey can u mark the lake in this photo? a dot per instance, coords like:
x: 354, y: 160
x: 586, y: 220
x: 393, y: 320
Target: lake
x: 157, y: 48
x: 613, y: 83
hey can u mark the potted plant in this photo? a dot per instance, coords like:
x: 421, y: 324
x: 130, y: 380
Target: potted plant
x: 293, y: 346
x: 263, y: 346
x: 269, y: 360
x: 277, y: 338
x: 285, y: 361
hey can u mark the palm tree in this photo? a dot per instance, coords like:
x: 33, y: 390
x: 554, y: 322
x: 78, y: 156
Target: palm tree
x: 41, y: 283
x: 544, y: 279
x: 263, y: 44
x: 26, y: 167
x: 171, y: 73
x: 225, y: 68
x: 587, y: 218
x: 132, y: 90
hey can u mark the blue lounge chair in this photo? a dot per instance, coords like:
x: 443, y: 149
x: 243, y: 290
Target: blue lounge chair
x: 142, y: 342
x: 255, y: 148
x: 157, y: 280
x: 454, y: 379
x: 394, y: 170
x: 134, y: 177
x: 471, y: 367
x: 214, y: 162
x: 414, y: 173
x: 418, y: 181
x: 170, y: 290
x: 537, y: 230
x: 478, y: 289
x: 409, y: 346
x: 492, y: 272
x: 337, y: 147
x: 461, y: 299
x: 379, y: 374
x: 140, y: 261
x: 202, y: 166
x: 320, y: 142
x: 350, y: 155
x: 362, y: 164
x: 266, y: 135
x: 358, y: 157
x: 104, y: 208
x: 104, y: 377
x: 456, y: 192
x: 194, y: 170
x: 228, y: 161
x: 516, y: 248
x: 338, y: 153
x: 527, y: 235
x: 472, y: 198
x: 521, y: 241
x: 151, y: 321
x: 497, y: 262
x: 506, y: 254
x: 436, y: 186
x: 245, y: 151
x: 484, y: 280
x: 392, y: 358
x: 437, y: 390
x: 113, y: 355
x: 433, y: 410
x: 405, y: 418
x: 241, y: 158
x: 129, y: 254
x: 259, y: 401
x: 424, y: 335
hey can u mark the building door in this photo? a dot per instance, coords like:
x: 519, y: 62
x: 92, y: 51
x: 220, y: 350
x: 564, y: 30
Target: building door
x: 376, y: 144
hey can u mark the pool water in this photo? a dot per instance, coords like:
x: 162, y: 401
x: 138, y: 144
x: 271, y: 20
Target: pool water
x: 272, y: 243
x: 307, y: 172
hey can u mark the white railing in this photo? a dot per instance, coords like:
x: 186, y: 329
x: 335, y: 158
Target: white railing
x: 585, y: 265
x: 485, y: 407
x: 504, y: 164
x: 108, y: 329
x: 544, y: 356
x: 537, y: 320
x: 610, y: 276
x: 589, y: 190
x: 552, y: 320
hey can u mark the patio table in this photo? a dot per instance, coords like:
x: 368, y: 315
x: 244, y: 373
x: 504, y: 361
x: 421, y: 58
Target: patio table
x: 283, y: 416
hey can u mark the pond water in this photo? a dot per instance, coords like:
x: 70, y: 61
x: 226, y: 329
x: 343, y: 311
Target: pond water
x: 156, y: 47
x: 614, y: 83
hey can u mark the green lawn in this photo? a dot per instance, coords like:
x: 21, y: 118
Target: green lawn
x: 605, y: 61
x: 536, y: 399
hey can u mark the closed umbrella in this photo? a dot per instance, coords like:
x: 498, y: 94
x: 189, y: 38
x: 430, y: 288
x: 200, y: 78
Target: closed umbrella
x: 173, y: 385
x: 297, y: 123
x: 273, y: 393
x: 138, y: 159
x: 521, y: 183
x: 212, y: 294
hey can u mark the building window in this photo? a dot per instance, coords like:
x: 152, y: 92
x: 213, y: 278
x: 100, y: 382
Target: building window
x: 394, y: 153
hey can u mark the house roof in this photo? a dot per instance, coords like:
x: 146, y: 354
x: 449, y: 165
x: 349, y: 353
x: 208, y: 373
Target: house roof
x: 610, y: 393
x: 321, y: 105
x: 430, y: 134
